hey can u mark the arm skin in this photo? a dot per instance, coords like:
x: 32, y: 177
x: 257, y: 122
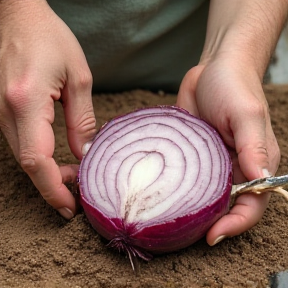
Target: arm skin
x: 38, y: 57
x: 225, y: 89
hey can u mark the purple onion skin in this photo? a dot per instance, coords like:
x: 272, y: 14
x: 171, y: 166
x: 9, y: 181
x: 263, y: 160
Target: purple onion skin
x: 164, y: 237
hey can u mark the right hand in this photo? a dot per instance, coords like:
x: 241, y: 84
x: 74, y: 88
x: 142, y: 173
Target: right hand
x: 41, y: 61
x: 238, y: 109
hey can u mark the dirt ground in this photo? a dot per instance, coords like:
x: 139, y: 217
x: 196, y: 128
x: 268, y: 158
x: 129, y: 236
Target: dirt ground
x: 38, y: 248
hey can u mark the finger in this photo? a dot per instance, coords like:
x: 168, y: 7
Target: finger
x: 47, y: 178
x: 186, y: 97
x: 78, y: 109
x: 251, y: 141
x: 36, y: 147
x: 245, y: 214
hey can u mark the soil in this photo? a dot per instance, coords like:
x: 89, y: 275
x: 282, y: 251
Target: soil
x: 38, y: 248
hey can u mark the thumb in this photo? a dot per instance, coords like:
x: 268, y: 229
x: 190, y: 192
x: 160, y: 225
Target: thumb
x: 251, y: 144
x: 78, y: 110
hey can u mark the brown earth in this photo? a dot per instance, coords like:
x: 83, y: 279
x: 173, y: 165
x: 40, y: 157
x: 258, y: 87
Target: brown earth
x: 38, y: 248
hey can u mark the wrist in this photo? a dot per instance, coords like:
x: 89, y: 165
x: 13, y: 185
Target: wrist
x: 246, y: 32
x: 229, y: 53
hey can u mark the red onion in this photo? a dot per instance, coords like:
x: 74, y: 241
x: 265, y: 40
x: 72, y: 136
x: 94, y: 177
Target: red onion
x: 155, y: 180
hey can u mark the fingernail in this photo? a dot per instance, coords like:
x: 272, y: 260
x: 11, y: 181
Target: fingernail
x: 265, y: 173
x: 219, y: 239
x: 66, y: 213
x: 86, y: 147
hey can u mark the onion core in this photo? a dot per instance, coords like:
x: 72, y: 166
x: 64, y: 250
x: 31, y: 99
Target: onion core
x: 155, y: 180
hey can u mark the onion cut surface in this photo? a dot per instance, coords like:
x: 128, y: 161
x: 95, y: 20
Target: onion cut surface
x: 155, y: 180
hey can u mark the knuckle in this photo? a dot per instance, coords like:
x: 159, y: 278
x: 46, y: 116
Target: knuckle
x: 17, y: 94
x: 84, y: 79
x: 27, y: 160
x: 262, y: 154
x: 87, y: 125
x: 257, y: 108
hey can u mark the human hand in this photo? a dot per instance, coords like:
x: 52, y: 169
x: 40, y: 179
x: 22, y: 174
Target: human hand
x: 231, y: 99
x: 41, y: 61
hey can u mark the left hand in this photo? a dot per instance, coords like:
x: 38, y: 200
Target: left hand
x: 230, y: 98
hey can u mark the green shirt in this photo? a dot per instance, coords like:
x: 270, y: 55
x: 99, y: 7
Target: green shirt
x: 147, y: 44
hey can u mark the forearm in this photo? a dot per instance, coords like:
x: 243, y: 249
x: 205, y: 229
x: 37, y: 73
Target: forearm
x: 244, y: 30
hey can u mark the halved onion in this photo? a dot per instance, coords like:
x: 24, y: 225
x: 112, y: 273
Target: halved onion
x: 155, y: 180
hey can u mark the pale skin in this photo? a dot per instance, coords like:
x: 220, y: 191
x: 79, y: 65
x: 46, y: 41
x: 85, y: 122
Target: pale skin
x: 38, y: 67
